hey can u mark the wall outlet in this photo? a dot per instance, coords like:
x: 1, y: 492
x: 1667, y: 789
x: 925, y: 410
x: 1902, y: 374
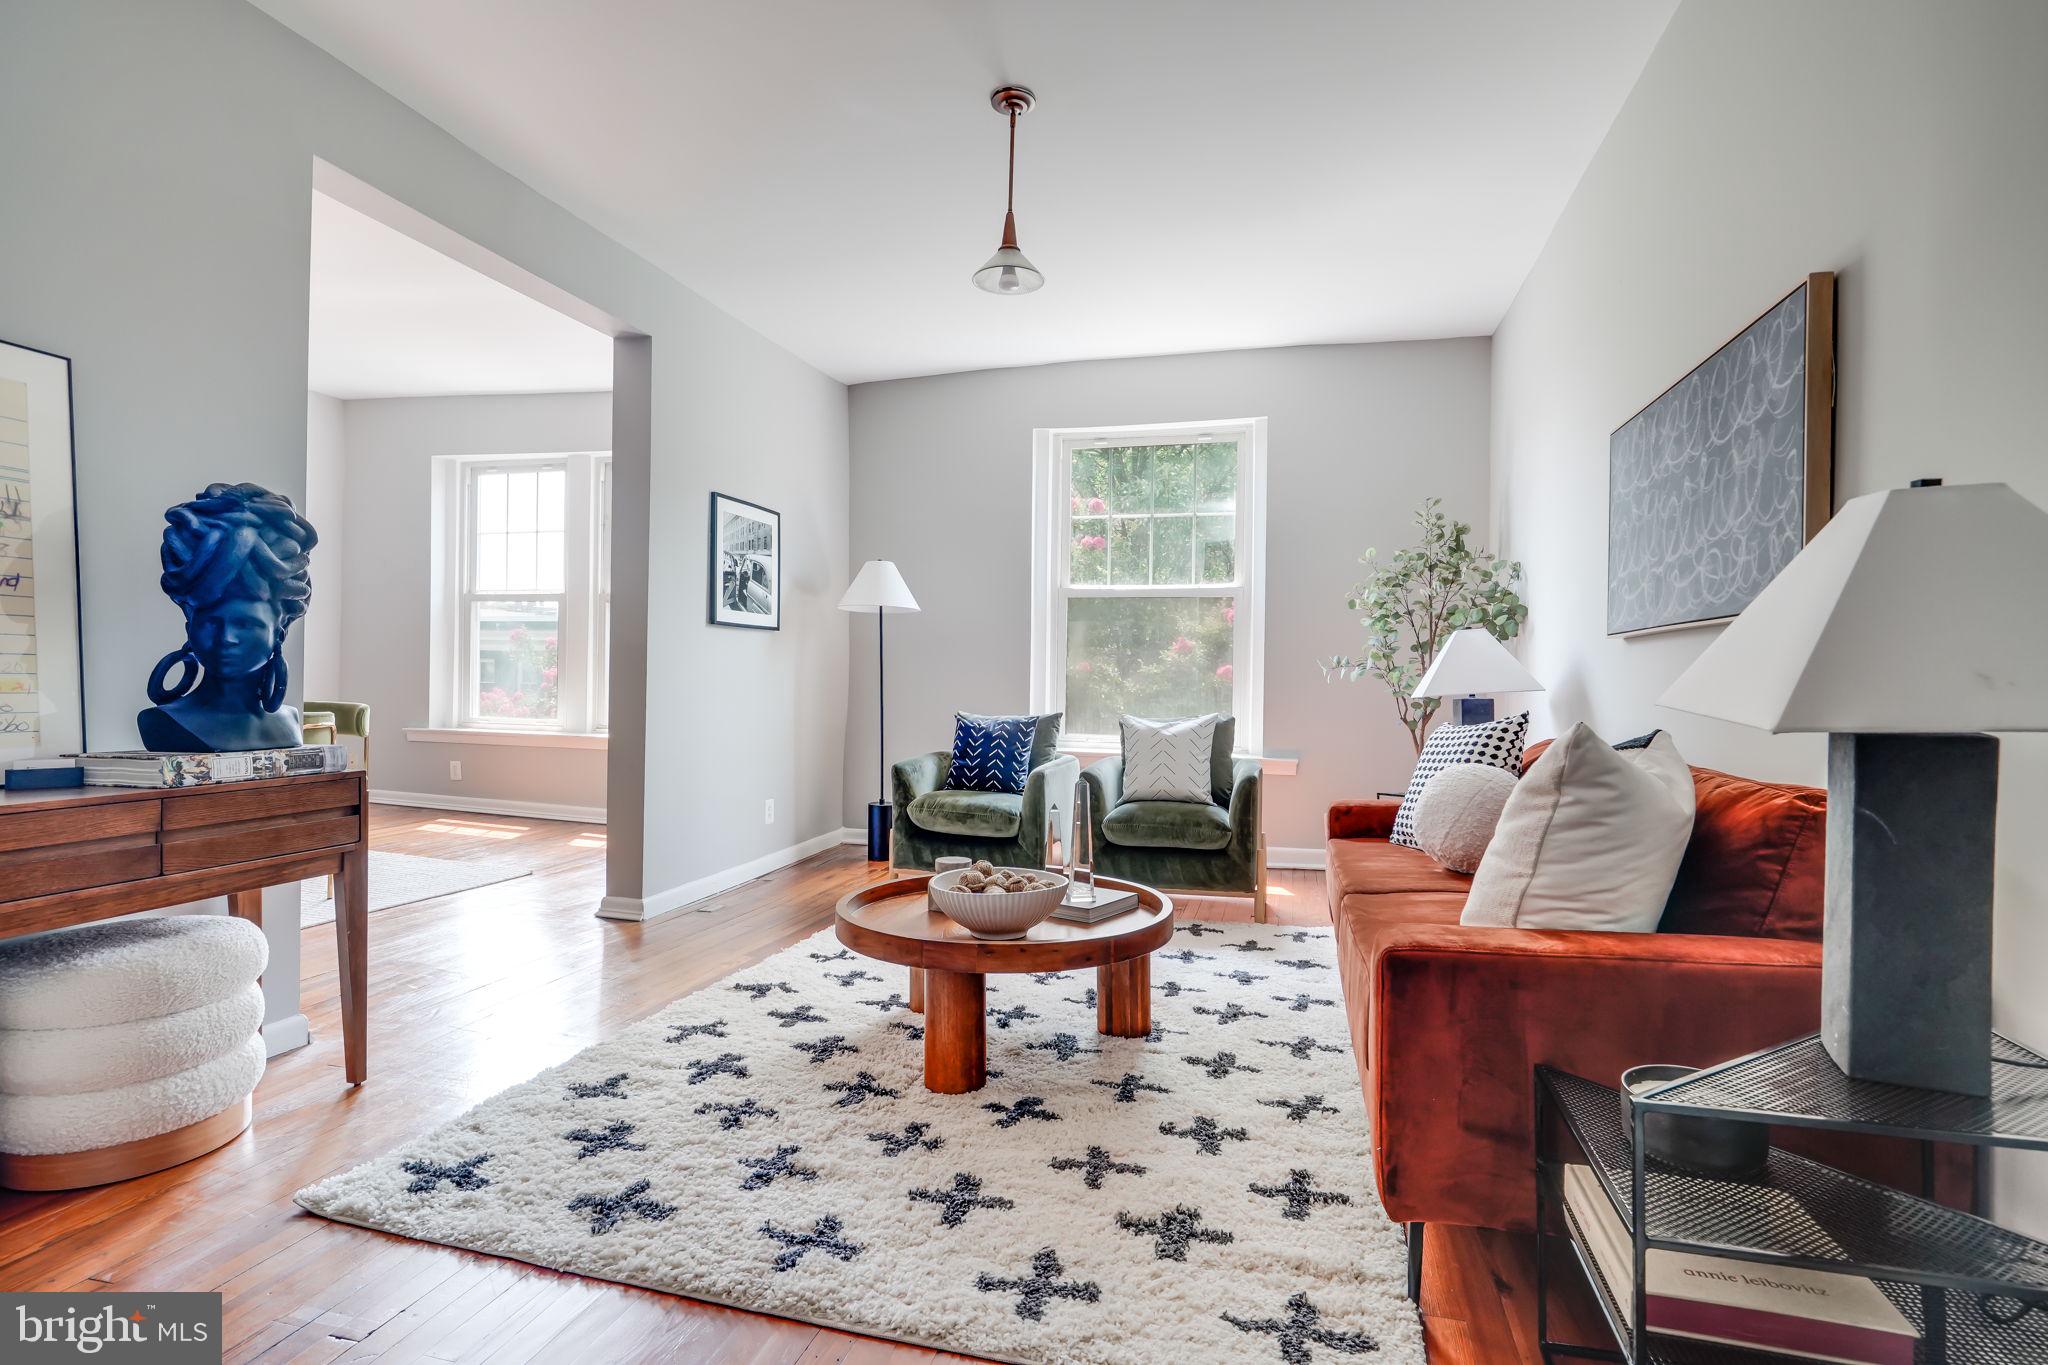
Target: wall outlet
x: 454, y: 770
x: 769, y: 816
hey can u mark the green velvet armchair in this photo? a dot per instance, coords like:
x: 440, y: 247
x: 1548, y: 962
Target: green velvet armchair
x: 1006, y: 828
x: 1182, y: 846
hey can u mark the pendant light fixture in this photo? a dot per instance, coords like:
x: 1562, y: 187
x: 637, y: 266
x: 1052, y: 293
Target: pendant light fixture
x: 1007, y: 272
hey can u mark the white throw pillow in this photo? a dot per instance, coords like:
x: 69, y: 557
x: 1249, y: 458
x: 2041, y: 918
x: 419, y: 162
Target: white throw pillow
x: 1455, y: 816
x: 1168, y: 760
x: 1495, y: 742
x: 1591, y: 838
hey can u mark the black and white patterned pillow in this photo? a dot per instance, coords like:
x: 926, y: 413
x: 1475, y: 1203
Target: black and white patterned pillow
x: 1497, y: 743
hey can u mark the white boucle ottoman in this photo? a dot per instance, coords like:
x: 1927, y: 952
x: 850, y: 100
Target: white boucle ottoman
x: 126, y: 1047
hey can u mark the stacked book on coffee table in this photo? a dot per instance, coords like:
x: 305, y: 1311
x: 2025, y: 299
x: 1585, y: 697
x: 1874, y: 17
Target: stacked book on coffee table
x: 1106, y: 905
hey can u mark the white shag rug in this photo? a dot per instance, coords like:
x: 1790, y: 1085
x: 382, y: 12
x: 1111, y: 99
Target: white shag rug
x: 403, y: 878
x: 1201, y: 1195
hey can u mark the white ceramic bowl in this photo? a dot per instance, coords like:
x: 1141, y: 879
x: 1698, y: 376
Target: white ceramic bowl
x: 1007, y: 916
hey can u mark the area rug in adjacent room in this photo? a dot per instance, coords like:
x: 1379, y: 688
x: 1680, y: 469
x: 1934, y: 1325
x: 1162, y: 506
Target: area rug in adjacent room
x: 402, y: 878
x: 1199, y: 1195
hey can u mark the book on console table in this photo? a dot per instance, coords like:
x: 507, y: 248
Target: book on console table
x: 1106, y: 905
x: 1811, y: 1314
x: 142, y: 768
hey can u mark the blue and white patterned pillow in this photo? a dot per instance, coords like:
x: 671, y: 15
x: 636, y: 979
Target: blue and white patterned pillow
x: 990, y: 753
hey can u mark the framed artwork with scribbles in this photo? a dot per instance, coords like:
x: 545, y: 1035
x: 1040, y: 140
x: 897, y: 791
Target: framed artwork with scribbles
x: 1724, y: 477
x: 42, y: 679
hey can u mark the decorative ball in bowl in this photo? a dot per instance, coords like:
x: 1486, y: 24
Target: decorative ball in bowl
x: 996, y: 902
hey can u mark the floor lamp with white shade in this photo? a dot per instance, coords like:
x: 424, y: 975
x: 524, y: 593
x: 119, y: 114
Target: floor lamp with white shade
x: 880, y: 589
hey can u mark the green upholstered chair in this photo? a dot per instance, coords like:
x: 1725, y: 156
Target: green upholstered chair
x: 1183, y: 846
x: 1006, y: 828
x: 339, y: 718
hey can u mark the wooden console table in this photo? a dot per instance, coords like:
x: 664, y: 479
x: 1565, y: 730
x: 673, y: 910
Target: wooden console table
x: 92, y: 853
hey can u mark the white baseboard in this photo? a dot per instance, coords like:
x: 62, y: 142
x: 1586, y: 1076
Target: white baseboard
x: 850, y: 835
x: 484, y: 805
x: 282, y: 1035
x: 676, y: 897
x: 1313, y: 858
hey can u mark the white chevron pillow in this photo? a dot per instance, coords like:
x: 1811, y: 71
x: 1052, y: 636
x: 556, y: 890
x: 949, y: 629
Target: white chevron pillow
x: 1168, y: 760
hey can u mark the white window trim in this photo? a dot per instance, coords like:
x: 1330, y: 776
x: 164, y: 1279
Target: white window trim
x: 580, y: 705
x: 1051, y: 511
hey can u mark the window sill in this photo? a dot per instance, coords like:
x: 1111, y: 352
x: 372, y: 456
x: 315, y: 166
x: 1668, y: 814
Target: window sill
x: 1272, y: 765
x: 529, y: 739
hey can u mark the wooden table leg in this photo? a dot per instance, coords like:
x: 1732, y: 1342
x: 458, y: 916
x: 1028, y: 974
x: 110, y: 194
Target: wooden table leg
x: 248, y: 905
x: 917, y: 990
x: 352, y: 958
x: 1123, y: 998
x: 955, y: 1032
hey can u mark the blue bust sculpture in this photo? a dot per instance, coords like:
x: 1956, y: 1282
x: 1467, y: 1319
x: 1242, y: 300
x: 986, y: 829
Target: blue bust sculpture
x: 235, y: 563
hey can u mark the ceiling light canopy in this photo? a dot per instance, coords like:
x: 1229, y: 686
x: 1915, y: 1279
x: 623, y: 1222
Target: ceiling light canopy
x: 1008, y: 272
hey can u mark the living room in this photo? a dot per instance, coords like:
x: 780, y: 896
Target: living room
x: 1519, y: 297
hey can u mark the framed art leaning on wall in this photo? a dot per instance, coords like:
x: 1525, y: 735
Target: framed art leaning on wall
x: 1724, y: 477
x: 42, y: 678
x: 746, y: 564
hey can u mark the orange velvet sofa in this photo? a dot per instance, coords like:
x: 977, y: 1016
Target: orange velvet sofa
x: 1448, y: 1022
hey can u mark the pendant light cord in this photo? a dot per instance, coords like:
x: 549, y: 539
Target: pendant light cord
x: 1010, y: 192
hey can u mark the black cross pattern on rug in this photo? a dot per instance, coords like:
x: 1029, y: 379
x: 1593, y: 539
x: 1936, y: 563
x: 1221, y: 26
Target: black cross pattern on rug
x: 1041, y: 1287
x: 1304, y: 936
x: 1195, y: 929
x: 802, y: 1014
x: 607, y: 1089
x: 731, y: 1116
x: 1187, y: 956
x: 1300, y: 1048
x: 685, y: 1032
x: 1157, y: 1033
x: 826, y: 1048
x: 1300, y: 1003
x: 1230, y: 1013
x: 1029, y: 1107
x: 1064, y: 1046
x: 1240, y: 976
x: 758, y: 989
x: 841, y: 956
x: 607, y: 1211
x: 913, y: 1135
x: 1087, y: 998
x: 1251, y: 945
x: 858, y: 1091
x: 823, y: 1236
x: 1046, y: 978
x: 1219, y: 1066
x: 1301, y: 1195
x: 1301, y: 1330
x: 428, y: 1175
x: 893, y: 1001
x: 964, y: 1198
x: 1012, y: 1014
x: 847, y: 978
x: 1127, y: 1089
x: 1300, y: 964
x: 1174, y: 1230
x: 612, y: 1139
x: 766, y: 1170
x: 1299, y: 1110
x: 1093, y: 1167
x: 1206, y: 1136
x: 1170, y: 989
x: 724, y: 1064
x: 916, y: 1031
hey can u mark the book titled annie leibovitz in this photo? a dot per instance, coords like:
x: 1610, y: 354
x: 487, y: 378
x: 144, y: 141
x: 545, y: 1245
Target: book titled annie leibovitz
x: 142, y: 768
x: 1812, y: 1314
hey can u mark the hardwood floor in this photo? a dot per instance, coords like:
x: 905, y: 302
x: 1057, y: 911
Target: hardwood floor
x: 471, y: 993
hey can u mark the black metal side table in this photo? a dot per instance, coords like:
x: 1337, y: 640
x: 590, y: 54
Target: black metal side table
x: 1976, y: 1292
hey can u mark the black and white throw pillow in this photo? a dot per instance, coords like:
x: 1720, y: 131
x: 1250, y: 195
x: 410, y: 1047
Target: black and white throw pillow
x: 990, y: 753
x: 1497, y: 743
x: 1168, y: 760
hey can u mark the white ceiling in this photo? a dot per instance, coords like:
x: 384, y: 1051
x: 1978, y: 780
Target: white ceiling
x: 1199, y: 174
x: 391, y: 318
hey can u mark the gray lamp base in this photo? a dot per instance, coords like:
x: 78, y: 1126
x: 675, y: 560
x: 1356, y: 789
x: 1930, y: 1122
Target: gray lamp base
x: 1906, y: 955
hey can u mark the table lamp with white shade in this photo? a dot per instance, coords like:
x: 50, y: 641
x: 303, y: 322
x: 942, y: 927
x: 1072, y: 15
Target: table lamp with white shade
x: 1472, y: 661
x: 880, y: 589
x: 1912, y: 623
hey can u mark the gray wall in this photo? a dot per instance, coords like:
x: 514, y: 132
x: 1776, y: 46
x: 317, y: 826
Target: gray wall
x: 325, y: 507
x: 1357, y: 436
x: 386, y: 611
x: 1903, y: 145
x: 155, y: 228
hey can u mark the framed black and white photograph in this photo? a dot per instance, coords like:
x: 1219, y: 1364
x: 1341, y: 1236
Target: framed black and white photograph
x: 42, y: 688
x: 746, y: 564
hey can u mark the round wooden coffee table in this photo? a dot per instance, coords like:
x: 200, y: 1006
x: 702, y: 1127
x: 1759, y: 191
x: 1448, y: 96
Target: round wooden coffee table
x: 892, y: 921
